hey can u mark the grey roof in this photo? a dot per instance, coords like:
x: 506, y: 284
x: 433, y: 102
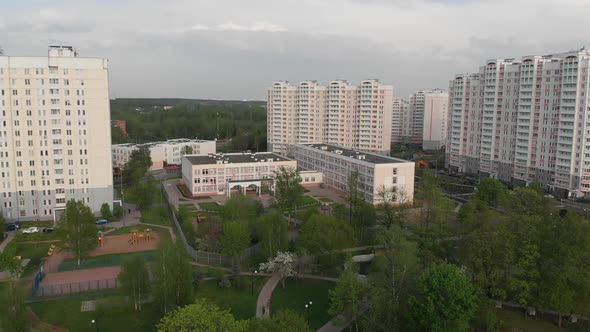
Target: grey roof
x: 235, y: 158
x: 351, y: 153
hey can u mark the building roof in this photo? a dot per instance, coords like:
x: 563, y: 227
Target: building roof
x: 356, y: 154
x: 235, y: 158
x: 169, y: 142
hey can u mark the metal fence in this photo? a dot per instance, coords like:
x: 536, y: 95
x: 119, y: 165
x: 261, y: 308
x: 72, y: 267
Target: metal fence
x: 204, y: 257
x: 75, y: 287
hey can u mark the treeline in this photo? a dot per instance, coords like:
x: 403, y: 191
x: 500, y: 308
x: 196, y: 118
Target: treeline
x: 242, y: 122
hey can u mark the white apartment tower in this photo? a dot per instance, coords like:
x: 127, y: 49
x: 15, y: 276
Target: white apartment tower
x: 524, y: 120
x: 357, y: 117
x: 55, y: 134
x: 425, y: 122
x: 399, y: 116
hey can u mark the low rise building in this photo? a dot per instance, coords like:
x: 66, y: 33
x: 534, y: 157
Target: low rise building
x: 378, y: 173
x: 163, y: 153
x: 218, y: 174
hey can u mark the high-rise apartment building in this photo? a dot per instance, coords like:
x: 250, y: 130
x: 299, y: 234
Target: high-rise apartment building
x: 399, y: 116
x: 55, y: 138
x: 357, y: 117
x: 524, y: 120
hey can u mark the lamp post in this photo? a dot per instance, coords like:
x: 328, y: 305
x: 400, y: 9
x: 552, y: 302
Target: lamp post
x: 95, y: 323
x: 307, y: 309
x: 253, y: 276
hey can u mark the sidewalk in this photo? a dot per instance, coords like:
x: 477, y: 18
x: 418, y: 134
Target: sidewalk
x: 265, y: 296
x: 7, y: 241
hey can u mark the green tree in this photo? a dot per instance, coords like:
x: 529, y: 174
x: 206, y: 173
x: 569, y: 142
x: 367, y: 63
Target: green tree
x: 241, y: 208
x: 10, y: 263
x: 353, y: 197
x: 283, y: 321
x: 524, y: 272
x: 445, y: 301
x: 14, y: 315
x: 323, y: 235
x: 282, y: 264
x: 288, y: 191
x: 273, y: 233
x: 134, y: 280
x: 186, y: 150
x: 347, y: 298
x: 436, y: 207
x: 393, y: 206
x: 201, y: 316
x: 139, y: 162
x: 235, y: 239
x: 174, y: 274
x: 77, y: 229
x: 391, y: 281
x: 117, y: 136
x: 489, y: 254
x: 105, y: 211
x: 492, y: 191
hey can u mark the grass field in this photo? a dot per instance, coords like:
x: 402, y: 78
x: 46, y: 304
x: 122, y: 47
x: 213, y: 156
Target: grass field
x: 307, y: 200
x: 105, y: 260
x: 157, y: 214
x: 516, y: 321
x: 211, y: 207
x: 299, y: 292
x: 116, y: 315
x: 238, y: 298
x: 35, y: 251
x: 325, y: 199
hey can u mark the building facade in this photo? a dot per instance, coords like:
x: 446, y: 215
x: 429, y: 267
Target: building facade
x: 376, y: 172
x: 357, y: 117
x: 399, y: 118
x: 167, y: 152
x: 55, y: 133
x: 218, y: 174
x: 530, y: 122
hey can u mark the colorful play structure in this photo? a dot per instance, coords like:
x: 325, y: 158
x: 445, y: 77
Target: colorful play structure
x: 51, y: 250
x: 100, y: 239
x: 137, y: 236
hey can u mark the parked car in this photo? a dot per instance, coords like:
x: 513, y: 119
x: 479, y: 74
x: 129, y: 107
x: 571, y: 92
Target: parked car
x: 12, y: 227
x: 102, y: 222
x: 47, y: 229
x: 31, y: 230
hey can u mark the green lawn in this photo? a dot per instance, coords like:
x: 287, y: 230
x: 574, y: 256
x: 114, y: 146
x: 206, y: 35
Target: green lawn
x: 35, y: 251
x: 211, y: 207
x: 299, y: 292
x: 515, y: 320
x: 114, y: 316
x: 128, y: 229
x: 157, y: 214
x: 105, y: 260
x: 307, y: 200
x: 325, y: 199
x: 238, y: 298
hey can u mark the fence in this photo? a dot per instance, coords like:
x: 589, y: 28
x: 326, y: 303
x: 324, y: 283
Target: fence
x: 75, y: 287
x: 204, y: 257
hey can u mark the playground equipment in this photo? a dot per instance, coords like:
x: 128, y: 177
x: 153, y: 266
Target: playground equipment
x: 51, y: 250
x: 136, y: 236
x: 100, y: 239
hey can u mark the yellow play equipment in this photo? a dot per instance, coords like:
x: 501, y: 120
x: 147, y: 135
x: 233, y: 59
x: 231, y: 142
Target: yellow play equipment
x: 136, y: 236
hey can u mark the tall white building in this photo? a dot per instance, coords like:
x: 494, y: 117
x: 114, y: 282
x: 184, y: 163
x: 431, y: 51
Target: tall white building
x: 398, y: 114
x: 340, y: 113
x: 524, y: 120
x: 55, y: 133
x: 168, y: 152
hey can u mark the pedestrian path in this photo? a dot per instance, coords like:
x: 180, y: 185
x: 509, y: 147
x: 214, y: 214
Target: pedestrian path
x: 6, y: 241
x: 265, y: 296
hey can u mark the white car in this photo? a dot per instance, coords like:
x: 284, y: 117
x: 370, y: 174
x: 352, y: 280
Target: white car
x: 31, y: 230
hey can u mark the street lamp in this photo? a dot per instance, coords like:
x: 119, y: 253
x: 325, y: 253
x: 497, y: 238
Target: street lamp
x: 255, y: 273
x: 307, y: 309
x: 95, y: 325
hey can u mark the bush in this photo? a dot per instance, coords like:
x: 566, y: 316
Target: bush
x: 224, y: 282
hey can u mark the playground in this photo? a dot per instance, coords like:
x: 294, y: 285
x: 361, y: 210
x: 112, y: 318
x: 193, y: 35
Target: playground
x: 135, y: 241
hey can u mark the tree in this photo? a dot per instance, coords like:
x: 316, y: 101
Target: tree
x: 391, y: 280
x: 201, y: 316
x: 134, y: 280
x: 241, y: 208
x: 445, y: 301
x: 354, y: 179
x: 393, y: 205
x: 436, y: 206
x: 283, y: 321
x: 10, y: 263
x: 235, y: 239
x: 105, y: 211
x: 324, y: 235
x: 288, y: 191
x: 347, y: 298
x: 186, y: 150
x: 174, y: 274
x: 272, y: 232
x: 77, y: 229
x: 282, y: 264
x: 492, y: 191
x: 139, y: 162
x: 14, y: 315
x: 117, y: 136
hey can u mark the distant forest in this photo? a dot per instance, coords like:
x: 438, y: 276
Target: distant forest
x: 244, y: 122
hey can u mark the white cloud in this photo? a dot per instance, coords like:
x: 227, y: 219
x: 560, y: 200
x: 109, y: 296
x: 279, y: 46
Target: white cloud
x: 229, y: 26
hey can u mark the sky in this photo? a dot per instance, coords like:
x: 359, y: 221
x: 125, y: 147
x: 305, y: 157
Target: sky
x: 235, y: 49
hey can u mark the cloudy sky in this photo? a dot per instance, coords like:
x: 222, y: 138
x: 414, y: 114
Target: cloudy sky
x: 234, y: 49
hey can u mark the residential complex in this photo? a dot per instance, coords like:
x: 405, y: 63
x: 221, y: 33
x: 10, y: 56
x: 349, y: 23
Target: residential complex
x: 163, y: 153
x: 376, y: 172
x: 55, y: 133
x: 218, y: 174
x: 523, y: 120
x: 399, y: 120
x: 356, y: 117
x: 422, y: 121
